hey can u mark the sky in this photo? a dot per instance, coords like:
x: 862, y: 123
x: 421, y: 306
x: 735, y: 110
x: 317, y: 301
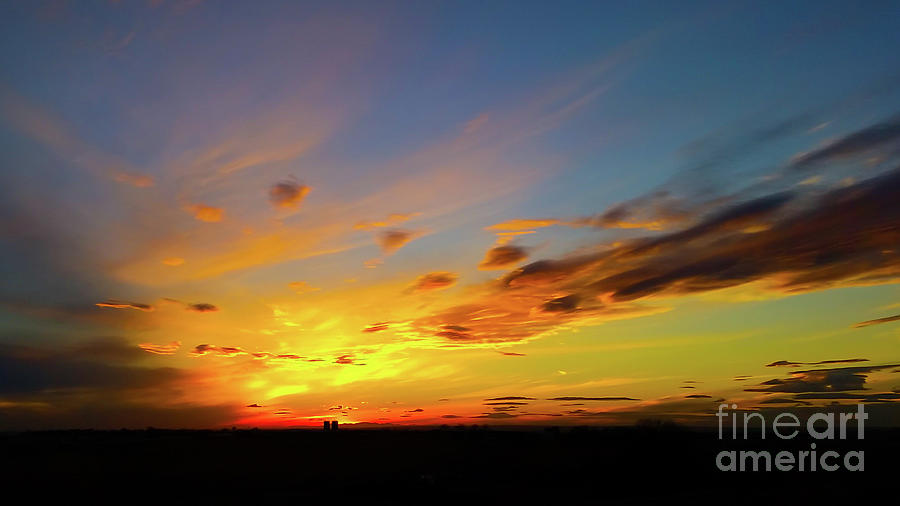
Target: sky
x: 270, y: 214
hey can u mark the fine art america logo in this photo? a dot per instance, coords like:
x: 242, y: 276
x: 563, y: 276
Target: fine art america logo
x: 819, y: 426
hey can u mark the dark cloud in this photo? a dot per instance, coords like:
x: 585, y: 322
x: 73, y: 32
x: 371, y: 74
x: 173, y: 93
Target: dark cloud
x: 393, y: 239
x: 434, y: 281
x: 456, y: 328
x: 847, y: 234
x: 698, y: 396
x: 500, y: 257
x: 202, y: 307
x: 786, y: 363
x: 867, y: 140
x: 507, y: 403
x: 878, y: 321
x: 287, y: 194
x: 821, y: 380
x: 253, y: 405
x: 64, y: 377
x: 234, y: 351
x: 345, y: 359
x: 209, y: 349
x: 561, y: 304
x: 496, y: 416
x: 450, y: 416
x: 511, y: 398
x: 808, y: 238
x: 454, y: 335
x: 377, y: 327
x: 510, y: 353
x: 592, y: 399
x: 656, y: 211
x: 732, y: 218
x: 845, y: 395
x: 782, y: 400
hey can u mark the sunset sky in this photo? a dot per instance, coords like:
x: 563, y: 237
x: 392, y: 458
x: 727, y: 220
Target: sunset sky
x: 267, y: 214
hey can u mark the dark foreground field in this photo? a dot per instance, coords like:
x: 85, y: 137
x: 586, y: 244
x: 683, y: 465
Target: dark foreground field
x: 453, y: 465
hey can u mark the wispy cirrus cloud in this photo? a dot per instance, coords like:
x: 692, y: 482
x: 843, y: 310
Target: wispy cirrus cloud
x: 392, y: 220
x: 58, y: 136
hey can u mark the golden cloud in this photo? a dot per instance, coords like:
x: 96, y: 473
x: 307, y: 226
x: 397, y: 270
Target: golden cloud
x: 207, y: 213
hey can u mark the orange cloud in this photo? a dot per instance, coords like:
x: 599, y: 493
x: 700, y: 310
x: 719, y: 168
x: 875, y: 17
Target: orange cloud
x: 288, y: 194
x: 377, y: 327
x: 394, y: 239
x: 119, y: 304
x: 656, y: 211
x: 233, y: 351
x: 207, y: 213
x: 161, y: 349
x: 521, y: 224
x: 390, y: 221
x: 302, y: 287
x: 500, y: 257
x: 434, y: 281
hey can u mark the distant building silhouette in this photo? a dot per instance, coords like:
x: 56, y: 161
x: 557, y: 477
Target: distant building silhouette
x: 334, y: 425
x: 326, y: 425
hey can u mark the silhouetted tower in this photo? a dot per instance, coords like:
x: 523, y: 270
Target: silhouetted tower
x: 326, y: 425
x: 334, y: 425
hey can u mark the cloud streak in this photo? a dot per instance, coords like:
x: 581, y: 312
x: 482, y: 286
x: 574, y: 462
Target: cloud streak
x: 870, y: 139
x: 877, y: 321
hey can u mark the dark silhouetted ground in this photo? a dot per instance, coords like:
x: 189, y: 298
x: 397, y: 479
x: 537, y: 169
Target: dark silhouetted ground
x: 635, y: 465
